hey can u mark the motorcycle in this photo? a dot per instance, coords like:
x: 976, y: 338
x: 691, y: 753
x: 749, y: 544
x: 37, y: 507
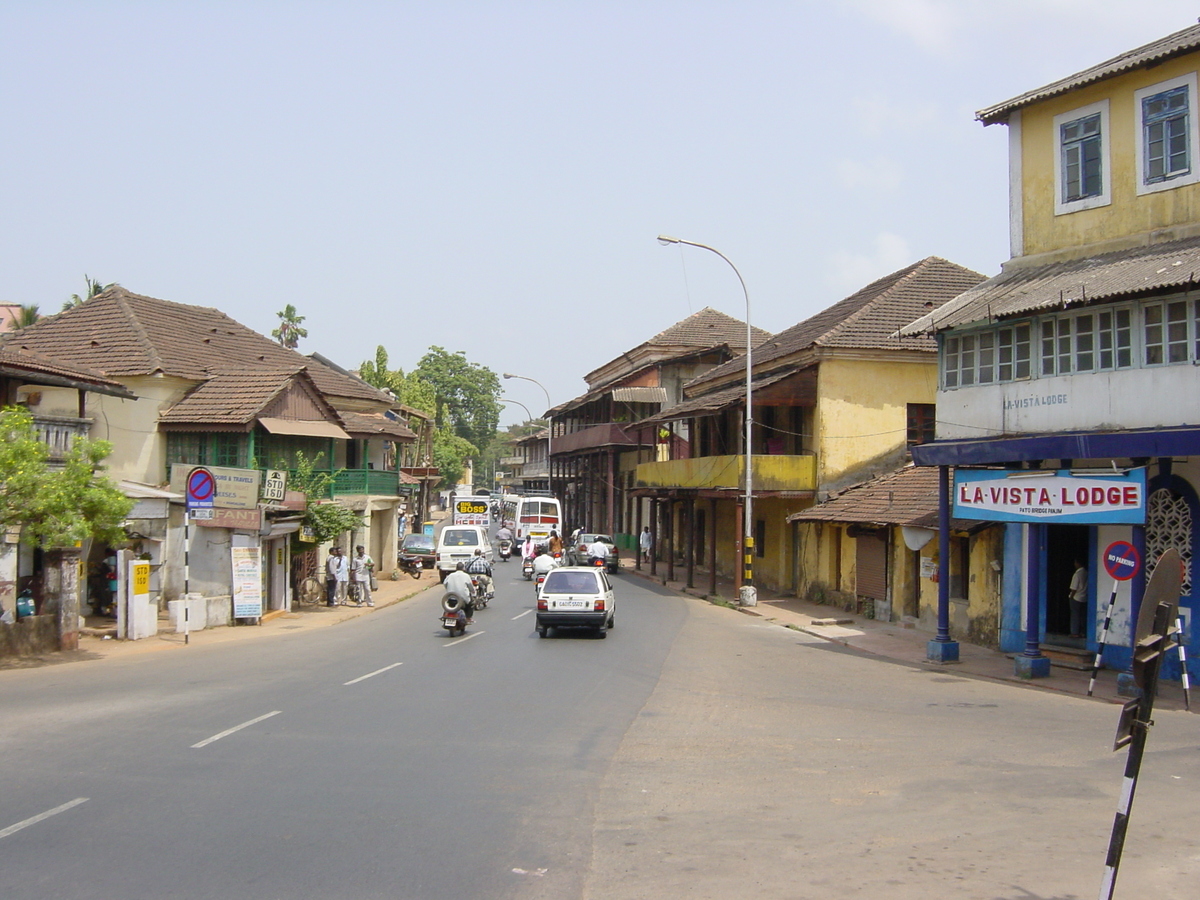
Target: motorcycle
x: 505, y: 550
x: 454, y: 614
x: 527, y: 568
x: 481, y: 597
x: 412, y: 565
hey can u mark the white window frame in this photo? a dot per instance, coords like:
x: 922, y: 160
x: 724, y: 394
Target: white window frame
x: 1104, y: 198
x: 1139, y: 137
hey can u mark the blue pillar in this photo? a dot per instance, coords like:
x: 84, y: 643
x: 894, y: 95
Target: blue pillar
x: 942, y: 648
x: 1030, y: 663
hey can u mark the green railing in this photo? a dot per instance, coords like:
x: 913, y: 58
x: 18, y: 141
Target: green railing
x: 366, y: 481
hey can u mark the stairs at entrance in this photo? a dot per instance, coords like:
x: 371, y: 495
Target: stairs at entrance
x: 1068, y: 657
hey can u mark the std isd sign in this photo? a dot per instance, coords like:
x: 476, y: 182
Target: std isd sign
x: 1062, y: 496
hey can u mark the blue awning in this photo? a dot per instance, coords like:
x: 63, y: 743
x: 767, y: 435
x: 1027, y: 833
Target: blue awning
x: 1064, y: 445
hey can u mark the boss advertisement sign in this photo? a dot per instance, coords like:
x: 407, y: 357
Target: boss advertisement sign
x: 471, y: 511
x: 1062, y: 496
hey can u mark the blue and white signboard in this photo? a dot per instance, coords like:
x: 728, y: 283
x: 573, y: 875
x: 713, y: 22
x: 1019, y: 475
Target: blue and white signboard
x: 1062, y: 496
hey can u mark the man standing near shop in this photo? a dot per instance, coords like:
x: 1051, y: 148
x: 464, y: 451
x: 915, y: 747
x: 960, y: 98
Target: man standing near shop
x: 337, y: 576
x: 645, y: 542
x: 361, y: 568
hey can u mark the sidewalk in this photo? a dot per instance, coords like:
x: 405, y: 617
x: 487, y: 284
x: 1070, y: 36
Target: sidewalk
x: 903, y: 644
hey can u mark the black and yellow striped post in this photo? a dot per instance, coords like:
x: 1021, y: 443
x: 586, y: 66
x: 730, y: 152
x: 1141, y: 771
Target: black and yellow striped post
x: 748, y: 562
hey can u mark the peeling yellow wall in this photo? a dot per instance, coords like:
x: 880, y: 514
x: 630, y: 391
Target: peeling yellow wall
x: 862, y: 409
x: 1128, y: 214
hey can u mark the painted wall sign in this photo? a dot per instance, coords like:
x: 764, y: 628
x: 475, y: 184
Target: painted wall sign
x: 235, y: 488
x: 1059, y: 496
x: 241, y: 519
x: 1121, y: 560
x: 247, y: 582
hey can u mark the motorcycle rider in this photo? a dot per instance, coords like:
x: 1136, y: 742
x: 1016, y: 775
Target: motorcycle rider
x: 598, y: 550
x: 459, y: 584
x: 482, y: 570
x: 504, y: 533
x: 556, y: 545
x: 543, y: 562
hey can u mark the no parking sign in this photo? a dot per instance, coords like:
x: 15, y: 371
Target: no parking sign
x: 1121, y: 560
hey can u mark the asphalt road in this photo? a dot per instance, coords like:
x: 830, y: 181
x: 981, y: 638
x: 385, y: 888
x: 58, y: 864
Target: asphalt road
x: 696, y: 752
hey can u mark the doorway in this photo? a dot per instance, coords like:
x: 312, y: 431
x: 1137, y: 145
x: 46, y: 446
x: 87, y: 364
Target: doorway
x: 1064, y: 545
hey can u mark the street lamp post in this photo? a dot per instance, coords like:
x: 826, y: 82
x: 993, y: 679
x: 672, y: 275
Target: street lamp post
x: 549, y: 427
x: 749, y: 594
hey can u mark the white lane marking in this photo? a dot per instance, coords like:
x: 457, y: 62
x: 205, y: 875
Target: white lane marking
x: 536, y: 872
x: 527, y: 612
x: 461, y: 639
x: 13, y: 829
x: 229, y: 731
x: 371, y: 674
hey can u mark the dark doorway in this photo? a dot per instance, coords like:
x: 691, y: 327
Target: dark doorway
x: 1064, y: 544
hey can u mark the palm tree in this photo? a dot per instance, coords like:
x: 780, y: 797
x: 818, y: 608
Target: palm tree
x: 289, y: 331
x: 27, y: 316
x: 94, y: 287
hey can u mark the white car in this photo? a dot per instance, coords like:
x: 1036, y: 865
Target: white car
x: 458, y: 543
x: 576, y: 596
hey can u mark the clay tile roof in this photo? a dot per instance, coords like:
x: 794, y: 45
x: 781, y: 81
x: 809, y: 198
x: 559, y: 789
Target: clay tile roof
x: 866, y: 320
x: 707, y: 328
x: 40, y: 370
x: 1147, y: 55
x: 375, y: 425
x: 907, y: 496
x: 230, y: 398
x: 120, y: 333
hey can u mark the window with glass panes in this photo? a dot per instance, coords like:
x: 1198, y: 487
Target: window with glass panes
x: 1165, y: 332
x: 1081, y: 173
x: 1165, y: 122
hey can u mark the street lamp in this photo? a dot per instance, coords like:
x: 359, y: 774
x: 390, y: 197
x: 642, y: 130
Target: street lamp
x: 748, y: 595
x: 549, y: 426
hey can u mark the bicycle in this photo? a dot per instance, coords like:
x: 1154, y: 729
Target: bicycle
x: 311, y: 590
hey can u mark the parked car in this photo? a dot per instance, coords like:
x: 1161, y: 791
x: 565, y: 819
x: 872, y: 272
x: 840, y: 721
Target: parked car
x: 420, y: 547
x: 458, y: 543
x: 576, y: 596
x: 577, y: 551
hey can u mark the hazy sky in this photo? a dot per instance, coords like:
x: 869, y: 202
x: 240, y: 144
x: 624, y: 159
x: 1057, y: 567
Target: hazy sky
x: 490, y: 176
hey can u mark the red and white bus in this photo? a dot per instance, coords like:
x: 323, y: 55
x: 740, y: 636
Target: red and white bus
x: 533, y: 517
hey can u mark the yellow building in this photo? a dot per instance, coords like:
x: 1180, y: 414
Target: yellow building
x: 837, y: 399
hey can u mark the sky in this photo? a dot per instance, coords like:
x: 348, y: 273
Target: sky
x: 490, y: 177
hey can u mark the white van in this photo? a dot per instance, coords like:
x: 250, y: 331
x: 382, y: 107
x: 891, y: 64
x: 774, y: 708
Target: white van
x: 458, y: 543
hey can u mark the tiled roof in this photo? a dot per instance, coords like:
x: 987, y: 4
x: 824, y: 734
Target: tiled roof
x: 230, y: 398
x: 907, y: 496
x: 1147, y: 55
x: 707, y: 328
x: 121, y: 333
x: 20, y: 363
x: 1020, y: 290
x: 866, y: 320
x: 375, y: 425
x: 715, y: 401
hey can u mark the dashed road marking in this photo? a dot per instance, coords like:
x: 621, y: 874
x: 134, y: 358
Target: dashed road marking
x: 371, y: 674
x: 527, y: 612
x: 473, y: 634
x: 229, y: 731
x: 13, y: 829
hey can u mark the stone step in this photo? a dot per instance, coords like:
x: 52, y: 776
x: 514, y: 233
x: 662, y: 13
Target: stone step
x: 1068, y: 657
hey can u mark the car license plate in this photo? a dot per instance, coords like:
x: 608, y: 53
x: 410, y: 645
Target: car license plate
x: 572, y: 604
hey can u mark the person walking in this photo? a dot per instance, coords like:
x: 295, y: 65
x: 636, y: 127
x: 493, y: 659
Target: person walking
x: 361, y: 568
x: 645, y: 542
x: 337, y: 576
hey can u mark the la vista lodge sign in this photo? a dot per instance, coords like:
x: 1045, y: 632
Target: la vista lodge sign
x: 1092, y: 497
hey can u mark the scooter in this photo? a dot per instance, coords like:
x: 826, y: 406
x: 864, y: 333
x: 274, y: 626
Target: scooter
x: 505, y: 550
x: 527, y: 568
x: 481, y: 598
x: 412, y: 565
x: 454, y: 615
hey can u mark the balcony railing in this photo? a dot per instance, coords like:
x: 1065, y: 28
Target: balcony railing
x: 594, y: 436
x: 366, y: 481
x: 59, y: 433
x: 771, y: 473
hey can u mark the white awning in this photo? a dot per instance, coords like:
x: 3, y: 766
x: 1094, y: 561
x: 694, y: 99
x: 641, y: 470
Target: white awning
x: 303, y: 428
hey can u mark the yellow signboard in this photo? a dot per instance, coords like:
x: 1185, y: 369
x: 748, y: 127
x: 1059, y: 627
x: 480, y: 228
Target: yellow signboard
x: 141, y: 578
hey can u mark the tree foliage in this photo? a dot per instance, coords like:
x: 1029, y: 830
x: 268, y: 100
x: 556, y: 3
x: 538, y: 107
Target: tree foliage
x: 466, y: 395
x: 28, y: 314
x: 408, y: 389
x: 449, y: 454
x: 56, y: 507
x: 94, y: 287
x: 289, y: 331
x: 327, y: 519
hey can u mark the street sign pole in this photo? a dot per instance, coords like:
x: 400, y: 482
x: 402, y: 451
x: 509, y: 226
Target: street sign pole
x: 1160, y: 607
x: 1122, y: 561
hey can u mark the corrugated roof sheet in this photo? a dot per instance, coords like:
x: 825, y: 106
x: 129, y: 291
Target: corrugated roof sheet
x: 867, y: 319
x: 1183, y: 41
x: 716, y: 400
x: 1021, y: 290
x: 640, y: 395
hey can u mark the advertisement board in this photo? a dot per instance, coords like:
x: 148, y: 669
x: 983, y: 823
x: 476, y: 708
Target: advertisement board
x: 247, y: 582
x: 472, y: 511
x: 1062, y: 496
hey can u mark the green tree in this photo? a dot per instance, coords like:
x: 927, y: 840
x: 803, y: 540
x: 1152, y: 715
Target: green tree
x: 327, y: 519
x: 26, y: 317
x: 289, y: 331
x: 56, y: 507
x: 466, y: 395
x: 410, y: 390
x: 450, y: 453
x: 94, y: 287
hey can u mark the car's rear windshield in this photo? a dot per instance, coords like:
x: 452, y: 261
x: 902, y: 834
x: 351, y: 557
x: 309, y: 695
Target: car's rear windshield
x: 571, y: 583
x: 460, y: 538
x: 418, y: 542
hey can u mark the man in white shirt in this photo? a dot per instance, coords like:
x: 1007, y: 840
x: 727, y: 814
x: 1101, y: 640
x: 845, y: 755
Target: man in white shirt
x: 337, y: 576
x: 458, y: 583
x: 543, y: 563
x: 597, y: 549
x: 360, y: 570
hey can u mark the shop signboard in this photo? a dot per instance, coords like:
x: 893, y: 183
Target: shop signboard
x: 1064, y: 496
x: 232, y: 488
x: 247, y: 582
x: 472, y: 511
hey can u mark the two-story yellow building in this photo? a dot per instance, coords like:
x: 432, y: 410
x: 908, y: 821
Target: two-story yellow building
x: 836, y: 400
x: 1069, y: 402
